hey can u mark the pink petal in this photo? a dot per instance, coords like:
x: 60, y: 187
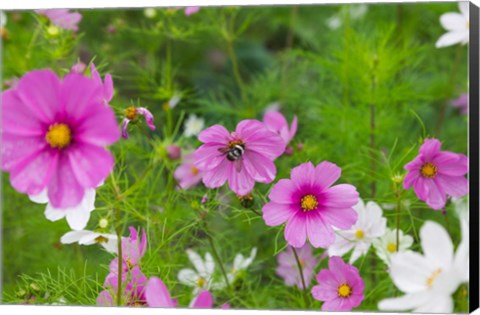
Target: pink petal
x: 303, y: 175
x: 342, y: 218
x: 32, y: 173
x: 340, y: 196
x: 148, y: 117
x: 239, y: 181
x: 157, y: 294
x: 326, y: 174
x: 283, y: 192
x: 275, y: 121
x: 262, y: 168
x: 430, y: 148
x: 90, y: 164
x: 451, y: 164
x: 203, y: 300
x: 108, y: 88
x: 436, y: 197
x: 79, y: 96
x: 209, y: 156
x: 99, y: 128
x: 18, y: 119
x: 64, y: 190
x: 217, y: 176
x: 420, y: 188
x: 191, y: 10
x: 293, y: 128
x: 320, y: 234
x: 125, y: 123
x: 455, y: 186
x: 258, y: 138
x: 15, y: 149
x: 105, y: 299
x: 39, y: 91
x: 295, y: 231
x: 410, y: 179
x: 275, y: 213
x: 216, y: 134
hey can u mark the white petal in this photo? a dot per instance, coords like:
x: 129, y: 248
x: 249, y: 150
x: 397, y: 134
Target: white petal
x: 238, y: 261
x: 437, y: 304
x: 410, y: 271
x: 452, y: 38
x: 111, y: 245
x: 464, y: 7
x: 341, y: 246
x: 247, y: 262
x: 361, y: 248
x: 209, y: 265
x: 436, y: 245
x: 197, y: 261
x: 404, y: 303
x: 54, y: 214
x: 78, y: 220
x: 334, y: 22
x: 453, y: 21
x: 73, y: 236
x: 188, y: 277
x: 42, y: 197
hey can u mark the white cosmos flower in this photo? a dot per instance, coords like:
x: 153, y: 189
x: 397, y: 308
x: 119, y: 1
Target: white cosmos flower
x: 193, y: 125
x: 427, y: 280
x: 77, y: 217
x: 356, y: 11
x: 241, y: 263
x: 386, y: 245
x: 462, y: 254
x: 369, y: 226
x: 202, y: 277
x: 457, y: 26
x: 85, y: 237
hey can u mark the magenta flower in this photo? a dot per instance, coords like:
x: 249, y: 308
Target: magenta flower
x: 277, y: 123
x: 134, y: 291
x: 132, y: 114
x: 461, y: 103
x: 242, y: 157
x: 434, y: 174
x: 54, y: 134
x: 310, y: 206
x: 340, y: 286
x: 288, y: 269
x: 187, y: 174
x: 107, y: 84
x: 191, y: 10
x: 62, y: 18
x: 157, y: 294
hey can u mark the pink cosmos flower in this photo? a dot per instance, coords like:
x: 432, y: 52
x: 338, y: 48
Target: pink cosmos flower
x: 340, y: 286
x: 461, y: 103
x: 62, y: 18
x: 132, y: 114
x: 191, y: 10
x: 54, y: 134
x: 310, y: 206
x: 107, y: 83
x: 276, y: 122
x: 288, y: 269
x: 134, y: 291
x: 434, y: 174
x: 133, y: 249
x: 79, y: 67
x: 242, y: 157
x: 187, y: 174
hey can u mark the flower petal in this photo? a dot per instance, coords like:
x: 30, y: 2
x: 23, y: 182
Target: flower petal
x: 296, y: 231
x: 216, y: 134
x: 157, y: 295
x: 436, y: 244
x: 452, y: 38
x: 275, y: 213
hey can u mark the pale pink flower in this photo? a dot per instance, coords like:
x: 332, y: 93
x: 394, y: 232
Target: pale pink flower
x: 187, y: 174
x: 288, y: 269
x: 132, y: 114
x: 461, y: 103
x: 276, y: 122
x: 63, y: 18
x: 191, y: 10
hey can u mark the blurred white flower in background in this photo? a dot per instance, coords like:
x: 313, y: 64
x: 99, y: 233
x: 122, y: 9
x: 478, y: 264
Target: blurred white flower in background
x: 241, y: 263
x: 193, y: 125
x: 356, y: 12
x: 457, y: 25
x: 202, y: 277
x: 85, y: 237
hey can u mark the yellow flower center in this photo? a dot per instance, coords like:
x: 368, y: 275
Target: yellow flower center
x: 201, y: 282
x: 428, y: 170
x: 359, y: 234
x: 431, y: 279
x: 344, y: 291
x: 131, y: 113
x: 59, y: 136
x: 130, y: 264
x: 392, y: 247
x: 309, y: 202
x: 101, y: 240
x: 194, y: 170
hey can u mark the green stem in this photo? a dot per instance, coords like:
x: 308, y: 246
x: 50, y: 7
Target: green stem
x: 216, y: 255
x: 300, y: 270
x: 236, y: 72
